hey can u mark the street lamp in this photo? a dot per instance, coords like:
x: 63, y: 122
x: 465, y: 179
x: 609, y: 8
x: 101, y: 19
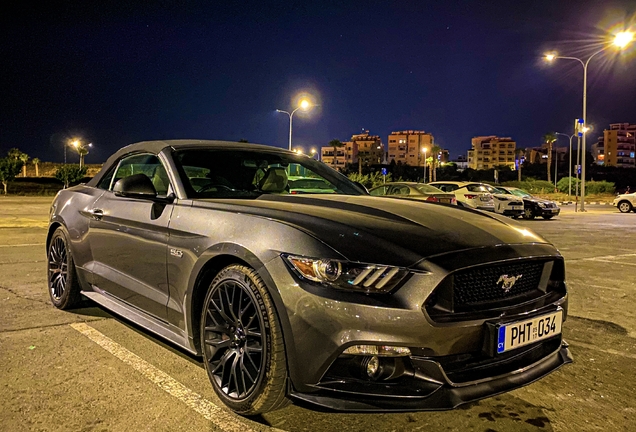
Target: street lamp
x: 303, y: 105
x: 621, y: 40
x: 570, y: 170
x: 313, y: 153
x: 424, y: 151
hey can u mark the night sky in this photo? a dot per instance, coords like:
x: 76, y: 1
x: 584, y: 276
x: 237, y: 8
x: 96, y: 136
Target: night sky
x: 119, y: 73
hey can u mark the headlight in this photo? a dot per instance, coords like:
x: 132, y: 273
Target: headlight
x: 368, y: 278
x: 540, y: 204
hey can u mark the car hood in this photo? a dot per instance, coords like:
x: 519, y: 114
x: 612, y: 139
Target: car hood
x: 383, y: 230
x: 537, y: 200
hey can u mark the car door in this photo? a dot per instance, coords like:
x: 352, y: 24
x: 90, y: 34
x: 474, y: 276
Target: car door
x: 129, y: 236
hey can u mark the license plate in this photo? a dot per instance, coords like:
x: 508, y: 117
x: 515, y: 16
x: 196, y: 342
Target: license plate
x: 515, y: 335
x: 484, y: 198
x: 555, y: 210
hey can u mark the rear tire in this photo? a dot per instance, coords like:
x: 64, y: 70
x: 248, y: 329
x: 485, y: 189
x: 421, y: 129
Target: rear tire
x: 242, y: 343
x: 625, y: 206
x: 63, y: 286
x: 528, y: 214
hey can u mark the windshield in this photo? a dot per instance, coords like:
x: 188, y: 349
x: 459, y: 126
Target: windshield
x: 521, y: 193
x: 210, y: 173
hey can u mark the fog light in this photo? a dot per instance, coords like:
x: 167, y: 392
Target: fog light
x: 373, y: 365
x: 378, y: 350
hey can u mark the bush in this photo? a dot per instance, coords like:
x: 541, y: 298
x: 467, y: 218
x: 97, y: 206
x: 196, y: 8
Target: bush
x: 532, y: 186
x: 599, y: 187
x: 563, y: 184
x: 70, y: 174
x: 370, y: 180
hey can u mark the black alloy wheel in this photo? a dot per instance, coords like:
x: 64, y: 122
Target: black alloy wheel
x: 62, y: 281
x: 241, y: 343
x: 528, y: 213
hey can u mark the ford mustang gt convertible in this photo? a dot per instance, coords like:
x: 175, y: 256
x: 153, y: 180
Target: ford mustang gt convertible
x: 343, y: 301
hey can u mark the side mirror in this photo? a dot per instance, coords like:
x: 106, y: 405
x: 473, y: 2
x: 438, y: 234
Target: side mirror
x: 135, y: 186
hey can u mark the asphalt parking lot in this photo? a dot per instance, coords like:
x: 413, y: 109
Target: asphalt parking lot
x: 87, y: 370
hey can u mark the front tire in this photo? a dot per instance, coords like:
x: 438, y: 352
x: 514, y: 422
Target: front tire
x: 528, y: 214
x: 63, y: 286
x: 242, y: 343
x: 625, y: 206
x: 547, y: 217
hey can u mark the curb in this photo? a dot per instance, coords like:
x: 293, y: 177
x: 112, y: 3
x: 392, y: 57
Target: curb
x: 586, y: 203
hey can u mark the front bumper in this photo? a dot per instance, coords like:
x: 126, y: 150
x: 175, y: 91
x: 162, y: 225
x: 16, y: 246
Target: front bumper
x: 429, y: 393
x: 551, y: 211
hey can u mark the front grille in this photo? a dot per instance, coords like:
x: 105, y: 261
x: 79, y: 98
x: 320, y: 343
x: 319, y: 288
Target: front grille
x: 488, y: 284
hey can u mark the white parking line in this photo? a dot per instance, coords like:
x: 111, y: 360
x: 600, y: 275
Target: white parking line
x: 22, y: 245
x: 221, y: 418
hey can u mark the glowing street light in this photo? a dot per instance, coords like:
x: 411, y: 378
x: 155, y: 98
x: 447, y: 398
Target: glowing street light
x: 621, y: 40
x: 303, y: 105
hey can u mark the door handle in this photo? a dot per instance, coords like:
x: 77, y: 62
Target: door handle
x: 97, y: 214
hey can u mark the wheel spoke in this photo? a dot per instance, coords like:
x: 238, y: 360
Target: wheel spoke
x: 233, y: 339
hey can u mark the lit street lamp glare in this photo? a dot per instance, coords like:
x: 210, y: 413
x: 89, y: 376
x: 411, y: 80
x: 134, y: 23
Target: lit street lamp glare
x: 550, y: 57
x: 623, y: 39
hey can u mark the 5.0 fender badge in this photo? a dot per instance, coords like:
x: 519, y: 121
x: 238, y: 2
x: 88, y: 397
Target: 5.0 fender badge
x: 508, y: 281
x: 179, y: 253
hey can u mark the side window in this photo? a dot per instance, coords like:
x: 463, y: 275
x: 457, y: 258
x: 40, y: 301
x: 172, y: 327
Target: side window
x: 401, y: 190
x: 147, y: 164
x: 379, y: 191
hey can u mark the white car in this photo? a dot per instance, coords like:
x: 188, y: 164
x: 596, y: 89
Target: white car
x: 506, y: 204
x: 625, y: 202
x: 469, y: 194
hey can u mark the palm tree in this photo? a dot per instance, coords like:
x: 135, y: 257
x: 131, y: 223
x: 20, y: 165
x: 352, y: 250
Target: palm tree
x: 336, y: 144
x: 435, y: 150
x: 82, y: 151
x: 549, y: 139
x: 24, y: 158
x: 36, y: 162
x: 519, y: 153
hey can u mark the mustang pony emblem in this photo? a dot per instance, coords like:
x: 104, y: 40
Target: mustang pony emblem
x: 508, y: 281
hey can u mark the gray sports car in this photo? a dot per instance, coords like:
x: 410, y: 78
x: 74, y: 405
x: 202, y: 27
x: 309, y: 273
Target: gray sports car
x: 344, y: 301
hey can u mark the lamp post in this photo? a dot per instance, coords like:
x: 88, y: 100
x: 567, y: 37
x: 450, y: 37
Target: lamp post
x: 314, y: 153
x: 424, y: 151
x: 621, y: 40
x: 570, y: 170
x: 303, y: 105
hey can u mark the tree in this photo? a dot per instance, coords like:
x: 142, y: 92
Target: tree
x: 70, y: 174
x: 24, y: 158
x: 336, y: 144
x: 9, y: 168
x: 519, y: 152
x: 549, y: 139
x: 82, y: 151
x: 36, y: 162
x: 435, y: 151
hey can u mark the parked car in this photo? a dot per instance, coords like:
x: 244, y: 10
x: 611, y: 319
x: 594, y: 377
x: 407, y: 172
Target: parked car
x: 346, y: 301
x: 533, y: 206
x: 505, y: 204
x: 304, y: 185
x: 413, y: 190
x: 625, y: 202
x: 468, y: 194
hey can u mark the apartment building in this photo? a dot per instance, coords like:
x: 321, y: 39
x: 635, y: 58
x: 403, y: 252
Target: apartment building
x: 406, y: 147
x: 491, y: 151
x: 617, y: 146
x: 366, y: 148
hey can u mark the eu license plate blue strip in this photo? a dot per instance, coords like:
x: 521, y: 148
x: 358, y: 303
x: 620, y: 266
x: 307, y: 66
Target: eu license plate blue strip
x: 501, y: 339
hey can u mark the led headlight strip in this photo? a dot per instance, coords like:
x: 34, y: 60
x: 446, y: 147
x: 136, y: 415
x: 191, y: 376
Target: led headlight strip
x: 347, y: 275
